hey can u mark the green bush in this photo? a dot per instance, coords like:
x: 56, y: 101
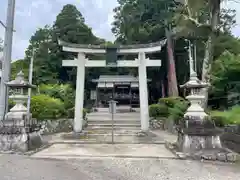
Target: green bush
x: 64, y: 92
x: 171, y: 102
x: 45, y: 107
x: 222, y: 118
x: 158, y: 110
x: 220, y: 121
x: 177, y: 106
x: 234, y: 115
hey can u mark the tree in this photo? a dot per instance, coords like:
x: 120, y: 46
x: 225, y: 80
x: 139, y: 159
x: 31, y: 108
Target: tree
x: 204, y: 19
x: 69, y: 26
x: 45, y: 69
x: 140, y: 21
x: 225, y: 77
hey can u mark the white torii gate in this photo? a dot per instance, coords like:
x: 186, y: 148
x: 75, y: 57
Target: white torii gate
x: 141, y: 63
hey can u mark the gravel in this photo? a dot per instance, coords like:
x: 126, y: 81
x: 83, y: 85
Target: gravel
x: 17, y: 167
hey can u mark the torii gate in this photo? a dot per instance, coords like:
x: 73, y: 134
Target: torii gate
x: 142, y: 62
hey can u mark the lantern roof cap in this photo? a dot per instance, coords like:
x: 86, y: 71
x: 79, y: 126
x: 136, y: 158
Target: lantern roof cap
x: 19, y: 81
x: 194, y: 82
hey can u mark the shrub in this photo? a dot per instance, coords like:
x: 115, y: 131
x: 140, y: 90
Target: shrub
x: 176, y: 107
x: 176, y: 114
x: 158, y: 110
x: 222, y: 118
x: 220, y: 121
x: 171, y: 102
x: 234, y: 115
x: 45, y: 107
x: 64, y: 92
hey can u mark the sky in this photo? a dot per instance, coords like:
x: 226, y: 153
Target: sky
x: 98, y: 14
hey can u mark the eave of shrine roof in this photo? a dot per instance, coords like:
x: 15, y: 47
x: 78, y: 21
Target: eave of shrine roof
x: 116, y: 78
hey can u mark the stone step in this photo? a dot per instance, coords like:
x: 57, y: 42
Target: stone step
x: 109, y: 128
x: 115, y: 125
x: 115, y: 117
x: 101, y: 121
x: 108, y: 131
x: 131, y: 114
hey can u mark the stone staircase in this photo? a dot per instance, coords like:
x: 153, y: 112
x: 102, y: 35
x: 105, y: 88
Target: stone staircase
x: 125, y: 123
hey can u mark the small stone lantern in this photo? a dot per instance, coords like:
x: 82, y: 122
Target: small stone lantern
x: 18, y: 88
x: 18, y: 131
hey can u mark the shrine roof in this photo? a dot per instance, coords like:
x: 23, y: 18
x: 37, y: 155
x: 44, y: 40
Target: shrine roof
x: 117, y: 79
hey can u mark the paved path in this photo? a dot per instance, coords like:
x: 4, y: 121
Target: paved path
x: 13, y: 167
x: 64, y: 151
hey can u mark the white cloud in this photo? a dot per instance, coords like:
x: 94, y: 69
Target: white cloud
x: 32, y: 14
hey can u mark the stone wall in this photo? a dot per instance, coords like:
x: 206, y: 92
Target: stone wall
x: 57, y: 126
x: 231, y: 138
x: 163, y: 124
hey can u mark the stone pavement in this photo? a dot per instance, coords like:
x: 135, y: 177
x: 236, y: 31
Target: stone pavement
x: 155, y: 137
x: 67, y: 151
x: 14, y: 167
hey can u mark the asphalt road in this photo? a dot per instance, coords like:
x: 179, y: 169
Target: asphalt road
x: 16, y: 167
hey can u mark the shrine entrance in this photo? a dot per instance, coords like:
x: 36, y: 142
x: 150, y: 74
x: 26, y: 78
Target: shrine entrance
x: 142, y: 62
x: 122, y: 88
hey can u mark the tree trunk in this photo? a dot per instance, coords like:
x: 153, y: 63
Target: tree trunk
x: 172, y: 79
x: 208, y: 57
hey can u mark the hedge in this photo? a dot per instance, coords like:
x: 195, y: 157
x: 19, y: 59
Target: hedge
x: 177, y: 106
x: 64, y: 92
x: 45, y: 107
x: 223, y: 118
x: 158, y: 110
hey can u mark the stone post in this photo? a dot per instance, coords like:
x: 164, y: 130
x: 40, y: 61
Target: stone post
x: 79, y: 97
x: 143, y: 91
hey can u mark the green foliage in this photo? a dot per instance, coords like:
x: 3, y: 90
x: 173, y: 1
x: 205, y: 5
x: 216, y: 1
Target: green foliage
x: 141, y: 21
x: 158, y: 110
x: 225, y: 77
x: 45, y: 107
x: 176, y: 107
x: 69, y: 26
x: 222, y: 118
x: 20, y: 65
x: 64, y: 92
x: 172, y: 102
x: 219, y: 119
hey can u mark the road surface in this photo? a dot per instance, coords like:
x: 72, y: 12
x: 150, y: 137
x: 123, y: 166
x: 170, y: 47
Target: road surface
x: 16, y: 167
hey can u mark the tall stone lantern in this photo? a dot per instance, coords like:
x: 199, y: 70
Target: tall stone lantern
x: 197, y: 132
x: 18, y: 131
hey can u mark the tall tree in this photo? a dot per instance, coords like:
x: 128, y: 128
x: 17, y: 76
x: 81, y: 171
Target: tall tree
x: 140, y: 21
x: 203, y: 19
x: 45, y: 69
x: 69, y: 26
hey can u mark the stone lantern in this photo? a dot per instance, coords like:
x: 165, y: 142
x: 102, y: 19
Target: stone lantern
x: 195, y: 98
x: 197, y: 131
x: 18, y: 131
x: 18, y: 88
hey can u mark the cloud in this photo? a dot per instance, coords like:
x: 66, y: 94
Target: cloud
x: 33, y: 14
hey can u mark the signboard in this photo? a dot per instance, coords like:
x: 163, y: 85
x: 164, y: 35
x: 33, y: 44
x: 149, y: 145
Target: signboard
x: 111, y: 56
x: 112, y: 106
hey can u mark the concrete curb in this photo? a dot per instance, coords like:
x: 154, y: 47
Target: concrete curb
x: 107, y: 142
x: 104, y: 156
